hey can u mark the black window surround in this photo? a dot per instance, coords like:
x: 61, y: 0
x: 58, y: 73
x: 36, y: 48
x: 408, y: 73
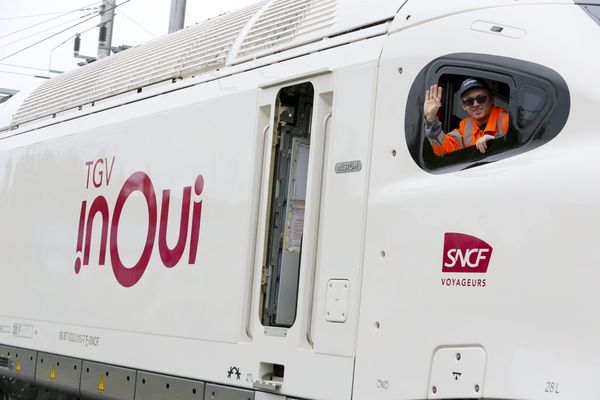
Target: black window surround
x: 539, y: 106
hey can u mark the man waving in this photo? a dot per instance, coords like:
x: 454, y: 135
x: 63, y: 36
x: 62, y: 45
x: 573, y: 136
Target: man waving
x: 485, y: 122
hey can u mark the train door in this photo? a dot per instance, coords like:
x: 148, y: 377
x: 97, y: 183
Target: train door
x: 315, y: 134
x: 294, y: 120
x: 288, y: 174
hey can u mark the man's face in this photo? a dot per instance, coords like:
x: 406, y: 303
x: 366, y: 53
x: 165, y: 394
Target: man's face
x: 478, y: 104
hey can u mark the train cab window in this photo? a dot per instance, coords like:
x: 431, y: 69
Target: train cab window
x: 485, y: 108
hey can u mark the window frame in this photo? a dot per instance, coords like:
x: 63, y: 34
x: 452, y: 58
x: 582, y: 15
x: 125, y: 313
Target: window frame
x: 517, y: 75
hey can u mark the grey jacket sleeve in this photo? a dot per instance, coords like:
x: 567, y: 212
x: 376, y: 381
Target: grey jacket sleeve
x: 433, y: 131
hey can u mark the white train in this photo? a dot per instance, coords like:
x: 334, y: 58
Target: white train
x: 249, y: 209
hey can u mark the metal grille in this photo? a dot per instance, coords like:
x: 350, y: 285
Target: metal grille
x: 4, y: 362
x: 284, y: 21
x: 200, y: 48
x: 255, y: 31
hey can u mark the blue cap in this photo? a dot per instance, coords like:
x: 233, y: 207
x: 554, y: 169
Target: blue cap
x: 471, y: 83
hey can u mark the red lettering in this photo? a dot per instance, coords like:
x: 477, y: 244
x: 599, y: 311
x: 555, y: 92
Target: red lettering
x: 88, y: 164
x: 98, y: 206
x: 196, y: 217
x: 80, y: 237
x: 98, y: 175
x: 128, y: 277
x: 109, y: 170
x: 170, y: 257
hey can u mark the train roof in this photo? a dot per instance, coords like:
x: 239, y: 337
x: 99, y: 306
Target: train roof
x: 241, y: 37
x: 229, y: 39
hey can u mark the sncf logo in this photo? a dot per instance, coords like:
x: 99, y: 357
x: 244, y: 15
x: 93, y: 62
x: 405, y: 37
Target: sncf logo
x: 465, y: 253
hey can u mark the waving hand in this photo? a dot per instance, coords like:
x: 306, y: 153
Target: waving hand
x: 433, y: 102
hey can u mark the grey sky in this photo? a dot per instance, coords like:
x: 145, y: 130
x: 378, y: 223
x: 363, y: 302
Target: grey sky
x: 137, y: 21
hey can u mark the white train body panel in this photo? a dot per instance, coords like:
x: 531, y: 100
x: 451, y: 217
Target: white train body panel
x: 535, y: 209
x: 376, y: 233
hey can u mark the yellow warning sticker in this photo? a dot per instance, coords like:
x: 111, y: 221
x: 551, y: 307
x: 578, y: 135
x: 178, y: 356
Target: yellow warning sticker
x: 101, y: 384
x: 52, y: 374
x: 18, y: 367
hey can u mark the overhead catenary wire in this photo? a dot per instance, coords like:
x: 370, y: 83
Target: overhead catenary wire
x: 135, y: 22
x: 48, y: 29
x: 84, y: 8
x: 58, y: 33
x: 23, y: 74
x: 32, y: 15
x: 24, y: 67
x: 45, y: 14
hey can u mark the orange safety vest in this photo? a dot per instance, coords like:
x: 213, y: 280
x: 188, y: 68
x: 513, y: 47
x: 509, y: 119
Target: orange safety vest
x: 468, y: 132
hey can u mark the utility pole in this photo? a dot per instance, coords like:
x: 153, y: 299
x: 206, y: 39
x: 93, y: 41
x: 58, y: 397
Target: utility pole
x: 107, y: 15
x: 177, y: 18
x: 105, y: 49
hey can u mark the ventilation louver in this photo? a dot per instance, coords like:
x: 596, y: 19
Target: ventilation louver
x: 188, y: 52
x: 284, y: 21
x: 250, y: 33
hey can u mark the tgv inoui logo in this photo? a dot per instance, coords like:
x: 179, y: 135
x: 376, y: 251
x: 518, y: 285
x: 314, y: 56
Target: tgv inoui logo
x: 99, y: 174
x: 465, y: 253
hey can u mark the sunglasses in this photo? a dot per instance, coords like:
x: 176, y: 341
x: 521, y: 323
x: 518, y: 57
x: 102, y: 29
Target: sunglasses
x: 468, y: 102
